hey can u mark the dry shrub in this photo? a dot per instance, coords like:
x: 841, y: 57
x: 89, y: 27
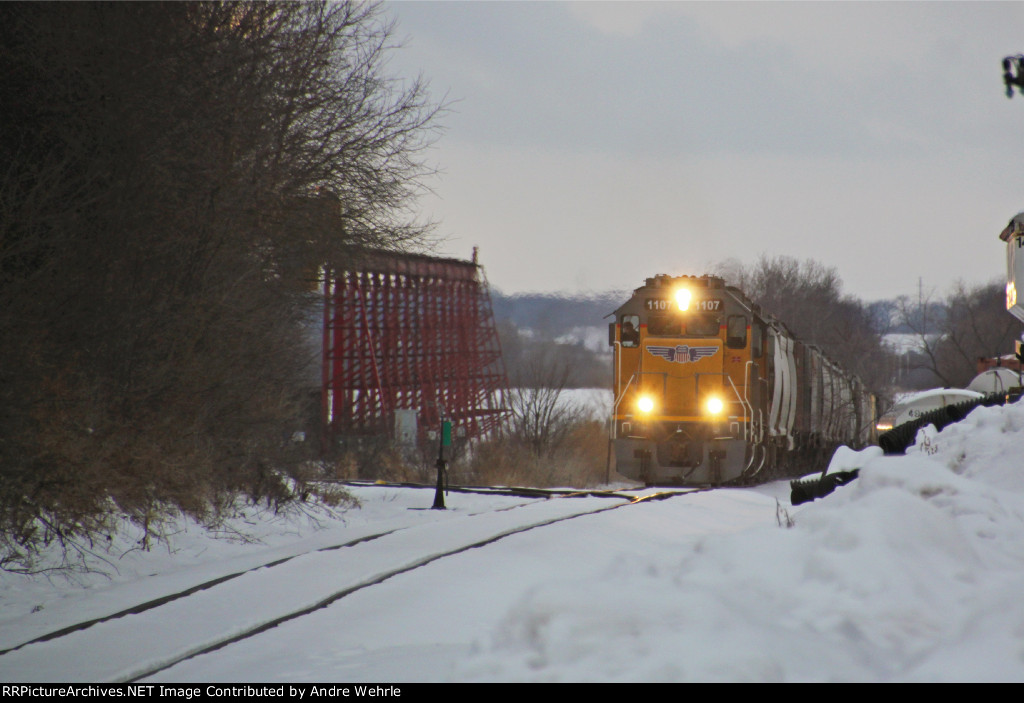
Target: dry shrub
x: 579, y: 461
x: 332, y: 496
x: 377, y: 459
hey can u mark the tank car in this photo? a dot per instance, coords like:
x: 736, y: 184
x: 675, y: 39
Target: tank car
x: 711, y: 390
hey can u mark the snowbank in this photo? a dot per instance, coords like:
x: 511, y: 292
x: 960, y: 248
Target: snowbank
x: 912, y: 572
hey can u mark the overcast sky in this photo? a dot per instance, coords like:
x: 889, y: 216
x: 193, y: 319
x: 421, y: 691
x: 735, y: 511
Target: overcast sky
x: 590, y: 145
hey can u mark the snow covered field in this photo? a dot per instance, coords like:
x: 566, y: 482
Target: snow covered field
x: 913, y: 572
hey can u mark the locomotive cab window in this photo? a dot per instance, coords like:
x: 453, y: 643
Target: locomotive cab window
x: 736, y: 334
x: 702, y: 324
x: 663, y: 325
x: 630, y: 331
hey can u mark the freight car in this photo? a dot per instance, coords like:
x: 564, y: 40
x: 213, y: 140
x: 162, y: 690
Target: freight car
x: 711, y: 390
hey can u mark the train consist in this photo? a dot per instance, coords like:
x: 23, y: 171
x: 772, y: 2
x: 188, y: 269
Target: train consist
x: 711, y: 390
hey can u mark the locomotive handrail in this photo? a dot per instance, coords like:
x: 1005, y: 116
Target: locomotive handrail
x: 739, y: 399
x: 746, y: 396
x: 759, y: 442
x: 747, y: 409
x: 618, y: 375
x: 791, y: 391
x: 615, y: 408
x: 761, y: 424
x: 764, y: 448
x: 664, y: 379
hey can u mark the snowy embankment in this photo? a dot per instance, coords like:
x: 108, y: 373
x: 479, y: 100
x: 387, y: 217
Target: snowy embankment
x: 912, y: 572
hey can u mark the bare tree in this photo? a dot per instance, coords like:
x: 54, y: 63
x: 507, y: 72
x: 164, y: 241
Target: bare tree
x: 171, y: 175
x: 549, y: 439
x: 541, y: 417
x: 807, y: 297
x: 790, y: 289
x: 971, y: 324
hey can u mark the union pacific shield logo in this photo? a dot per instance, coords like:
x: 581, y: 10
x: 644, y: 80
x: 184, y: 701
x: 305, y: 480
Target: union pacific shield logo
x: 682, y: 353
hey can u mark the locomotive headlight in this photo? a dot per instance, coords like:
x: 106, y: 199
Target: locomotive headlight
x: 715, y: 406
x: 683, y: 296
x: 645, y: 404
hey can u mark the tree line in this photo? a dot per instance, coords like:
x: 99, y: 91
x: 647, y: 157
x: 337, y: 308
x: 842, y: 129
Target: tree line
x: 943, y: 336
x: 948, y: 335
x: 172, y: 175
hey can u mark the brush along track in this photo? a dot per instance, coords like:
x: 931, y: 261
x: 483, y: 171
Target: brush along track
x: 142, y: 607
x: 199, y: 620
x: 157, y: 602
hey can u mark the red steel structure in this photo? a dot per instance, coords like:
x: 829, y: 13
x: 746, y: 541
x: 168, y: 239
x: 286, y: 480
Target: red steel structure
x: 410, y: 332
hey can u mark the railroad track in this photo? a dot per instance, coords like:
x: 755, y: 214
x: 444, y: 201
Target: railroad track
x: 82, y: 652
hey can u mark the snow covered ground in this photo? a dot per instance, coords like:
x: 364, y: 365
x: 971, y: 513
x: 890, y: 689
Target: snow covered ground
x: 913, y: 572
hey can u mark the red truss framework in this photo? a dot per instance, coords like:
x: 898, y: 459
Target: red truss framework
x: 410, y: 332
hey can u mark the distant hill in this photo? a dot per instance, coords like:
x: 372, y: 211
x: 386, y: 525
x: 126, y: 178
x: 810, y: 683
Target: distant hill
x: 546, y: 331
x: 551, y: 315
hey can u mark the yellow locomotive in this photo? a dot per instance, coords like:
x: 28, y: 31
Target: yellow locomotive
x: 709, y: 389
